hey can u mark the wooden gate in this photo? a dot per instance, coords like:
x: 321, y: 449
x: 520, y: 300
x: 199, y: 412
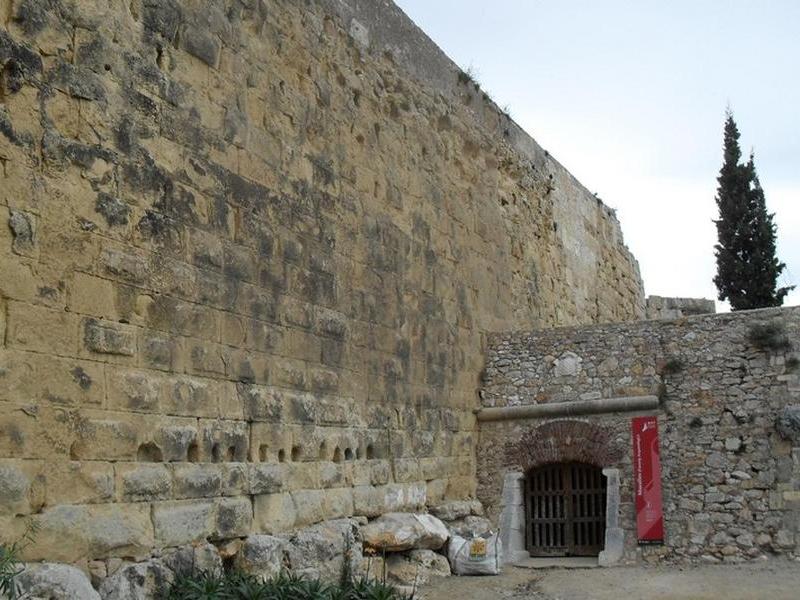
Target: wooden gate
x: 565, y: 507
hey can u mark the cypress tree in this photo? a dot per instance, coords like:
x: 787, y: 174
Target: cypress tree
x: 747, y: 268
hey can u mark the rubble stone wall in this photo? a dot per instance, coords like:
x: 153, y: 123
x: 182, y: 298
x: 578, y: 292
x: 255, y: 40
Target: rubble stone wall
x: 729, y: 420
x: 249, y: 251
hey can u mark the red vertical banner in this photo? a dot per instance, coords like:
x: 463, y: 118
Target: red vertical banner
x: 647, y: 479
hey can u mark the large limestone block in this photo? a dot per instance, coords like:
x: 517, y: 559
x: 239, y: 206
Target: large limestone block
x: 22, y: 431
x: 262, y: 556
x: 198, y: 480
x: 182, y: 522
x: 274, y: 513
x: 266, y: 478
x: 70, y: 533
x: 339, y: 503
x: 309, y: 506
x: 195, y: 558
x: 234, y: 518
x: 49, y: 379
x: 368, y: 501
x: 59, y: 582
x: 405, y: 496
x: 457, y: 509
x: 141, y: 581
x: 396, y: 532
x: 77, y: 482
x: 139, y: 482
x: 40, y: 329
x: 19, y: 486
x: 416, y: 567
x: 139, y: 391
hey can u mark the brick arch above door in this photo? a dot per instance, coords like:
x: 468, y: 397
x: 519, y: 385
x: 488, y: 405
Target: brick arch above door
x: 564, y: 441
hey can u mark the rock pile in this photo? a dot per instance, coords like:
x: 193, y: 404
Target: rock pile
x: 406, y: 549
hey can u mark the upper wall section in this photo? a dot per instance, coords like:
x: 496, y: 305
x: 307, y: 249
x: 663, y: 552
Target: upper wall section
x: 592, y: 252
x: 261, y: 232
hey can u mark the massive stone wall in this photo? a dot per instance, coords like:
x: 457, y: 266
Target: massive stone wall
x: 248, y: 254
x: 729, y: 419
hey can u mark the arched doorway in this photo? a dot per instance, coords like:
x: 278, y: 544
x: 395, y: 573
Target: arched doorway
x: 565, y: 510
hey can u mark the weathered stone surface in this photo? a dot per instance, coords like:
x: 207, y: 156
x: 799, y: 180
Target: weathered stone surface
x: 319, y: 551
x: 192, y: 559
x: 658, y: 307
x: 137, y: 581
x: 234, y: 518
x: 788, y: 423
x: 197, y: 481
x: 15, y: 486
x: 395, y: 532
x: 107, y: 338
x: 178, y: 523
x: 415, y: 568
x: 274, y: 513
x: 145, y: 482
x: 457, y: 509
x: 309, y: 507
x: 470, y: 526
x: 262, y: 555
x: 69, y: 533
x: 24, y: 231
x: 57, y: 581
x: 266, y: 478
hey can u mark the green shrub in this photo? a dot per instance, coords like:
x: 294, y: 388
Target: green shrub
x: 10, y: 565
x: 238, y: 586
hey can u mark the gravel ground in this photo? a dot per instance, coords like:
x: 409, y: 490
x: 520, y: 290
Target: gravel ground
x: 774, y: 580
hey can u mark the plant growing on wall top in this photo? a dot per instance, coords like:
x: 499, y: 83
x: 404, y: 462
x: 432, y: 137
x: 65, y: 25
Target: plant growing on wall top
x: 769, y: 336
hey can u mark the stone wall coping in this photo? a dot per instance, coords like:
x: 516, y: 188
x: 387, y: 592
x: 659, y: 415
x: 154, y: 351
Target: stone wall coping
x: 569, y: 409
x: 718, y: 319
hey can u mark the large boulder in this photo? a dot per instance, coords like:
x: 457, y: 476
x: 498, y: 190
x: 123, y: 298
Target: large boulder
x: 396, y: 532
x: 262, y: 556
x: 319, y: 551
x: 415, y: 568
x: 139, y: 581
x: 470, y: 527
x: 55, y: 582
x: 788, y: 423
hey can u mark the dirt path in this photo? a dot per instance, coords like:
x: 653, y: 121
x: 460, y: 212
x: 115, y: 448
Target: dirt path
x: 776, y: 580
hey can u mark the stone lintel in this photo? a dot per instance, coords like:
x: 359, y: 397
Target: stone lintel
x: 569, y: 409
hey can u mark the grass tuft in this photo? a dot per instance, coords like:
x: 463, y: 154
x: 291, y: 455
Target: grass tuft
x: 769, y: 336
x: 10, y: 564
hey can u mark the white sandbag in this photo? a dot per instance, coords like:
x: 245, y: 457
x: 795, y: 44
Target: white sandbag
x: 477, y: 556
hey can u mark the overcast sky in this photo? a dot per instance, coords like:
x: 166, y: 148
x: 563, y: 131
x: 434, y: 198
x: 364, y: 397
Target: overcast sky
x: 631, y: 96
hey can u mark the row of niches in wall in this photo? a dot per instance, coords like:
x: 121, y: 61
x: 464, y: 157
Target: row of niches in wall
x: 262, y: 453
x: 297, y: 454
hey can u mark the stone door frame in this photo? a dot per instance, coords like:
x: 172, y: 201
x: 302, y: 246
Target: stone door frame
x: 512, y: 519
